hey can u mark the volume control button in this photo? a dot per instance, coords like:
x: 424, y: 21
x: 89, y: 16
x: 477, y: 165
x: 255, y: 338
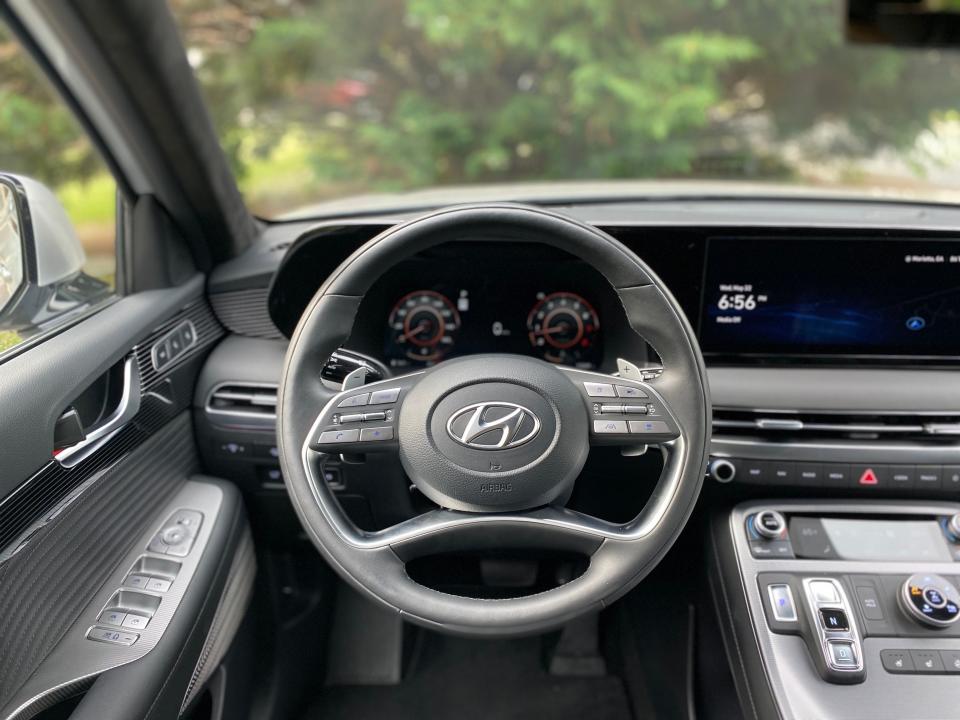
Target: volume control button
x: 769, y: 524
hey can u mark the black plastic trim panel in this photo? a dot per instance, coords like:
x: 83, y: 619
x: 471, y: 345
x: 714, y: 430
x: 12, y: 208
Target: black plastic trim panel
x: 162, y: 400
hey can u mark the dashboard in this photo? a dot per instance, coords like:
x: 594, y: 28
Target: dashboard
x: 834, y: 297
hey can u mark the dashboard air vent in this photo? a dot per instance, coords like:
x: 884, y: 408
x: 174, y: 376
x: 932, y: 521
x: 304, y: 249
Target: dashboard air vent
x: 239, y: 404
x: 783, y: 426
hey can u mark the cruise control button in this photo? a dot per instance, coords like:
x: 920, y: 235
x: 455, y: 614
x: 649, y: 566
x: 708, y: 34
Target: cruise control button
x: 626, y: 391
x: 117, y: 637
x: 381, y: 397
x: 376, y: 434
x: 599, y: 389
x: 339, y: 436
x: 896, y: 661
x: 650, y: 427
x: 927, y: 661
x: 635, y: 409
x: 354, y: 400
x: 610, y: 426
x: 611, y: 408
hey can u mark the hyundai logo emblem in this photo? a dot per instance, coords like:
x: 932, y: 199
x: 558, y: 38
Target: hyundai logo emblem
x: 493, y: 425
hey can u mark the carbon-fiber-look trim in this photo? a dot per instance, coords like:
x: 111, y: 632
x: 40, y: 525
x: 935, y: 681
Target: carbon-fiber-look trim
x: 45, y: 587
x: 245, y: 312
x: 24, y: 510
x: 208, y: 332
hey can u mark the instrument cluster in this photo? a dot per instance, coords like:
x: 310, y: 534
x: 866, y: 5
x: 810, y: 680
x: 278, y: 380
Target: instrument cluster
x: 426, y: 326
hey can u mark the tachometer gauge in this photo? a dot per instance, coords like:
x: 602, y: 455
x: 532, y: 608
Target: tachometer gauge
x: 563, y: 327
x: 423, y: 325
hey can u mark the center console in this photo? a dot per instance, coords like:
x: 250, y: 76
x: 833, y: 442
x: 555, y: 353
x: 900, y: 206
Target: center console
x: 842, y: 608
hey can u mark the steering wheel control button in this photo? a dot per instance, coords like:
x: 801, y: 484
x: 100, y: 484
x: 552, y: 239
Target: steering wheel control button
x: 374, y: 416
x: 843, y: 654
x: 351, y: 418
x: 376, y: 434
x: 595, y: 389
x: 834, y: 619
x: 354, y: 400
x: 781, y: 601
x: 650, y: 427
x: 629, y: 391
x: 135, y: 622
x: 610, y: 426
x: 382, y: 397
x: 112, y: 617
x: 930, y: 599
x: 115, y: 637
x: 330, y: 437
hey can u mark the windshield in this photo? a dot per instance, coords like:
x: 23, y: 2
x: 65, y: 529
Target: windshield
x: 320, y: 100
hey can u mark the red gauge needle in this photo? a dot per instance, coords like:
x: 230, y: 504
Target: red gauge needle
x: 423, y: 325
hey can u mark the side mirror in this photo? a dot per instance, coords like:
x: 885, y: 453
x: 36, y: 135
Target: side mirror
x: 41, y: 261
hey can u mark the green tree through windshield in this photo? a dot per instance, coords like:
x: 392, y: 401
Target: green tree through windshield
x: 318, y: 100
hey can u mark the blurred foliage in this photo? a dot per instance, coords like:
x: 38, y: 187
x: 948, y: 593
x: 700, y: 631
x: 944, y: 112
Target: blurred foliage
x: 314, y: 100
x: 397, y: 94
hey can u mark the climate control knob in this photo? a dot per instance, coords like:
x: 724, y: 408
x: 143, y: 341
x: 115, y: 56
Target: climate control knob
x: 953, y: 527
x: 769, y: 524
x: 722, y: 470
x: 930, y: 599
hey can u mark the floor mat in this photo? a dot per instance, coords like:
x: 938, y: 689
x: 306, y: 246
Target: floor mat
x: 477, y: 680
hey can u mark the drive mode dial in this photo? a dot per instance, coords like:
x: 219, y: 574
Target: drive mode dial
x: 930, y: 599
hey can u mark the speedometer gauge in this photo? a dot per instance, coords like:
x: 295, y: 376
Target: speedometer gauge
x: 423, y: 325
x: 563, y: 327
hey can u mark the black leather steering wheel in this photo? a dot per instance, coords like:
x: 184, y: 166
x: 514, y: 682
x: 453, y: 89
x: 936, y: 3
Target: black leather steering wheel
x: 497, y: 441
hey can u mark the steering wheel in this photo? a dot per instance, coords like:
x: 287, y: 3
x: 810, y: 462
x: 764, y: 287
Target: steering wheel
x: 497, y: 441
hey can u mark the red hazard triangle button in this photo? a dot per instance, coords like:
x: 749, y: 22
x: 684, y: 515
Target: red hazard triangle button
x: 869, y: 477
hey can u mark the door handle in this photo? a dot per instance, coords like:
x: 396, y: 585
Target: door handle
x: 127, y: 408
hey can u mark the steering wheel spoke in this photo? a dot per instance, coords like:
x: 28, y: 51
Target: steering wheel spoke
x: 624, y: 411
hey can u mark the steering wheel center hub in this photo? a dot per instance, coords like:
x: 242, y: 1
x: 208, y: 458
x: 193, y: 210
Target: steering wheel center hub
x: 489, y: 433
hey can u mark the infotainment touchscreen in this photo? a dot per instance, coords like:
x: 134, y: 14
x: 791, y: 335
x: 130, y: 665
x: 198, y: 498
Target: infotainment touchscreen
x: 831, y: 297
